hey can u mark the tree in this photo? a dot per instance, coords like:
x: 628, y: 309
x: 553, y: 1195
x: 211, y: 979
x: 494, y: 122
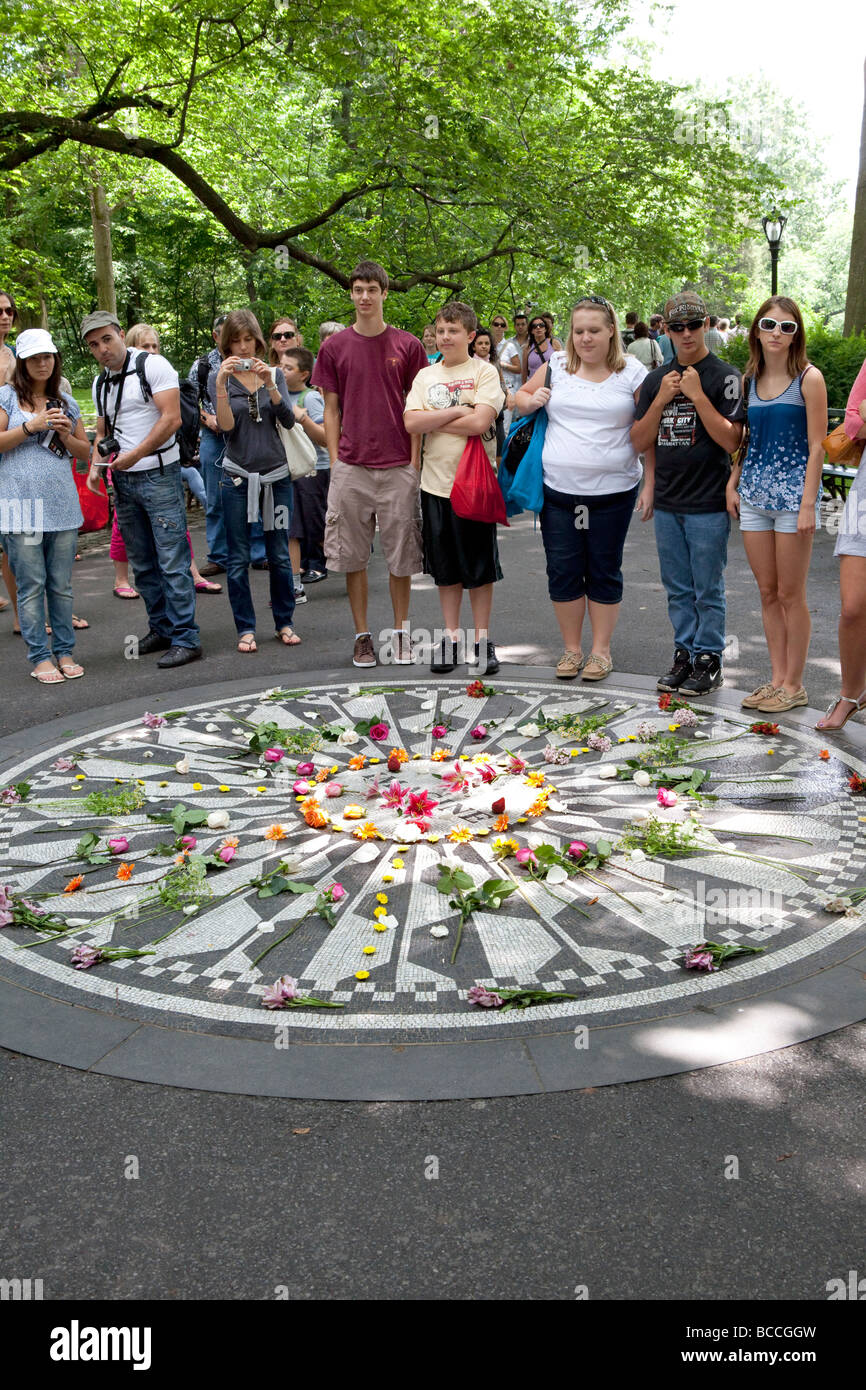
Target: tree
x: 855, y: 304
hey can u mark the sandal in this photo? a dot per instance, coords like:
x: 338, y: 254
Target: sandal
x: 71, y: 671
x: 596, y: 668
x: 204, y: 586
x: 125, y: 591
x: 4, y: 604
x: 247, y: 643
x: 52, y: 677
x: 288, y: 637
x: 841, y: 700
x: 79, y: 623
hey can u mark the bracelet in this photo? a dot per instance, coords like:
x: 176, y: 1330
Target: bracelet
x: 28, y: 432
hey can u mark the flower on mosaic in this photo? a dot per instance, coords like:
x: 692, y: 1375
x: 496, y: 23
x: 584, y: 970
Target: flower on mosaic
x: 400, y: 754
x: 381, y: 897
x: 348, y: 737
x: 367, y: 831
x: 764, y: 728
x: 645, y: 731
x: 600, y: 743
x: 305, y: 769
x: 696, y: 959
x: 501, y: 823
x: 577, y: 849
x: 74, y: 884
x: 857, y: 784
x: 218, y: 820
x: 665, y: 797
x: 396, y: 863
x: 353, y: 812
x: 824, y: 754
x: 63, y: 765
x: 477, y: 689
x: 357, y: 762
x: 461, y: 834
x: 665, y: 701
x: 274, y: 755
x: 516, y: 765
x: 362, y: 974
x: 280, y: 992
x: 422, y: 824
x: 538, y: 807
x: 395, y: 796
x: 124, y: 872
x: 336, y: 892
x: 9, y: 796
x: 333, y: 789
x: 226, y: 853
x: 6, y: 905
x: 503, y: 849
x: 323, y: 775
x: 230, y: 842
x: 479, y: 732
x: 275, y: 832
x: 530, y: 730
x: 379, y: 732
x: 421, y: 803
x: 536, y: 779
x: 182, y: 857
x: 153, y: 721
x: 672, y: 728
x: 188, y: 841
x: 197, y: 787
x: 380, y: 912
x: 525, y: 856
x: 314, y: 816
x: 369, y: 950
x: 687, y: 719
x: 555, y: 755
x: 486, y: 773
x: 440, y: 730
x: 440, y: 755
x: 487, y: 998
x: 380, y: 925
x: 84, y: 956
x: 640, y: 778
x: 457, y: 779
x: 118, y: 844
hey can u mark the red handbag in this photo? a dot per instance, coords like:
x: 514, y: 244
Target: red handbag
x: 476, y: 495
x: 94, y: 508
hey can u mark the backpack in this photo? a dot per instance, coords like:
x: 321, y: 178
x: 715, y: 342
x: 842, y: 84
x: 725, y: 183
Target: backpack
x: 190, y: 419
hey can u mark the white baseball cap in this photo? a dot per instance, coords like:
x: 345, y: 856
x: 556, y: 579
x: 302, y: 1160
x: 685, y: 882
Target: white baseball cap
x: 33, y: 341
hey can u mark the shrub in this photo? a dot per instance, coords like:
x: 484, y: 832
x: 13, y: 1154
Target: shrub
x: 838, y: 359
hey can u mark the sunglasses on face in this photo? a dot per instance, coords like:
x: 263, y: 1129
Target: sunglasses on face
x: 539, y: 324
x: 693, y: 325
x: 291, y: 334
x: 785, y: 325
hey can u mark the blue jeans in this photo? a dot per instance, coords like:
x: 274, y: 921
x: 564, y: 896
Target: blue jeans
x: 210, y: 456
x: 276, y: 545
x: 195, y: 483
x: 693, y: 552
x: 152, y: 518
x: 43, y: 570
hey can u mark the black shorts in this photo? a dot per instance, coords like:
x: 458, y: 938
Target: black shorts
x: 311, y: 505
x: 457, y: 551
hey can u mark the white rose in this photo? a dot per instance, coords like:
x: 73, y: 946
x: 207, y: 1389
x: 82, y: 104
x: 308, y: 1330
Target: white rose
x: 607, y: 772
x: 641, y: 778
x: 212, y: 728
x: 556, y: 874
x: 218, y: 820
x: 637, y: 855
x: 529, y: 730
x: 182, y: 765
x: 438, y: 931
x: 348, y: 737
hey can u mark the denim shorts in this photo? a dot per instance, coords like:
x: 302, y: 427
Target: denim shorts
x: 762, y: 519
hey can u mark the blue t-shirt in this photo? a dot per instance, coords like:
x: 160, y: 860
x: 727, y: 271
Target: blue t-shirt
x: 37, y: 489
x: 314, y: 404
x: 774, y: 469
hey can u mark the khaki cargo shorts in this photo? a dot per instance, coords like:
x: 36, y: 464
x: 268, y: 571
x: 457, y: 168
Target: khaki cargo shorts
x: 358, y: 497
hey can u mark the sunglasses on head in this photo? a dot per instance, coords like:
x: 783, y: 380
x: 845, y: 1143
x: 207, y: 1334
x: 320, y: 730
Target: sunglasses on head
x: 693, y: 325
x: 593, y: 299
x: 786, y: 325
x: 287, y: 334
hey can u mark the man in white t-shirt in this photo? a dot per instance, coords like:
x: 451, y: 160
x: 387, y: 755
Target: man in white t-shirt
x: 139, y: 409
x: 448, y: 403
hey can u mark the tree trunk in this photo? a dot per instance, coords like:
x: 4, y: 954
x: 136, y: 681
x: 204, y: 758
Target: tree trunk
x: 855, y: 304
x: 100, y: 216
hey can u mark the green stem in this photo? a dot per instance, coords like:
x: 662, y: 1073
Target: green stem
x: 463, y: 918
x: 611, y: 889
x: 281, y: 939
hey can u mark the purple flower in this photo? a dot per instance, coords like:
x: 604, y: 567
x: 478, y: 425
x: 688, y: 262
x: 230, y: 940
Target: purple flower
x: 33, y: 907
x: 153, y: 721
x: 277, y: 995
x: 600, y: 742
x: 9, y: 796
x: 6, y: 905
x: 440, y: 730
x: 485, y: 997
x: 696, y: 959
x: 274, y: 755
x: 480, y: 731
x: 645, y: 731
x: 525, y: 856
x: 118, y: 844
x: 63, y: 765
x: 379, y: 732
x: 84, y: 956
x: 555, y: 755
x: 577, y: 849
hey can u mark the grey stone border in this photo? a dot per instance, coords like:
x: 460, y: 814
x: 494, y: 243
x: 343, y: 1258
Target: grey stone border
x: 702, y: 1035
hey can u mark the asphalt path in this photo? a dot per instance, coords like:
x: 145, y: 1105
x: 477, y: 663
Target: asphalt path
x: 627, y: 1192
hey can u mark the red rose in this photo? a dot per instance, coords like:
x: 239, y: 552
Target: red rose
x: 498, y: 807
x: 394, y: 763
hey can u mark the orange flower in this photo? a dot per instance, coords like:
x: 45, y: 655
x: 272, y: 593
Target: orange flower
x: 275, y: 832
x: 74, y: 884
x: 357, y: 762
x: 315, y: 818
x: 180, y: 858
x: 323, y: 775
x: 825, y: 753
x: 461, y: 834
x: 367, y: 831
x: 538, y: 807
x: 440, y: 755
x: 230, y: 842
x: 501, y: 823
x: 399, y: 753
x: 124, y: 872
x: 535, y: 779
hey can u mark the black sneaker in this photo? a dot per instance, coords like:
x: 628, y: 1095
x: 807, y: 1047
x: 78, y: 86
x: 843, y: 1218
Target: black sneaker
x: 680, y: 671
x: 152, y: 642
x: 492, y: 662
x: 444, y: 657
x: 706, y: 676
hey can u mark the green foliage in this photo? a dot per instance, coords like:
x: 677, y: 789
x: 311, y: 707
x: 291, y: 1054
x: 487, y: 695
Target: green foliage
x: 467, y: 898
x: 838, y: 359
x: 119, y: 803
x: 185, y: 884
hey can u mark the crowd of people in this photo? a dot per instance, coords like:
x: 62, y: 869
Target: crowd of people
x: 647, y: 420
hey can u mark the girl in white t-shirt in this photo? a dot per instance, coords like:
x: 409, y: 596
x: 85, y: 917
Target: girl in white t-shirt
x: 591, y: 479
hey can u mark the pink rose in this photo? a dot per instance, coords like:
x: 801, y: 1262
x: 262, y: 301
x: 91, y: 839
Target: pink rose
x: 188, y: 841
x: 302, y: 788
x: 439, y: 730
x: 227, y: 853
x: 480, y: 731
x: 118, y: 844
x: 379, y: 732
x: 699, y: 960
x: 333, y: 789
x: 525, y: 856
x: 666, y: 798
x: 337, y: 892
x: 274, y: 755
x: 577, y: 849
x: 305, y: 769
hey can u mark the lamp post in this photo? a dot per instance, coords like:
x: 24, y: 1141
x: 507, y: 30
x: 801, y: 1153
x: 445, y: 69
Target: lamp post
x: 774, y: 226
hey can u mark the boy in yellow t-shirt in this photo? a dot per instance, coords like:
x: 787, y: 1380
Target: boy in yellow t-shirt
x: 448, y: 402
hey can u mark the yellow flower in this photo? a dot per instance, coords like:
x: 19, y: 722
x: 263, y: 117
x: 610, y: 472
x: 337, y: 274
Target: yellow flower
x: 483, y: 831
x: 375, y: 760
x: 399, y: 753
x: 367, y: 831
x: 80, y: 777
x: 357, y: 762
x: 396, y: 863
x: 632, y: 738
x: 460, y: 834
x: 163, y: 784
x: 673, y: 727
x: 584, y: 750
x: 433, y: 839
x: 196, y: 786
x: 362, y: 974
x: 275, y: 832
x: 225, y: 789
x: 622, y: 740
x: 401, y: 849
x: 387, y: 878
x: 503, y: 848
x: 574, y: 753
x: 381, y: 897
x: 380, y: 926
x: 380, y: 912
x: 334, y: 769
x: 369, y: 950
x: 439, y: 755
x: 521, y: 820
x: 353, y: 812
x: 770, y: 752
x: 118, y: 780
x: 535, y: 779
x: 415, y: 757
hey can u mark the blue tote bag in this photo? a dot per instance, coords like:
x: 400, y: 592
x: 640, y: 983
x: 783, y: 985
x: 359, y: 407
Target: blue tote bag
x: 520, y: 472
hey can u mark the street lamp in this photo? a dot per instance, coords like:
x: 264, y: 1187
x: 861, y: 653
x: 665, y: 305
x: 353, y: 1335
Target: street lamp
x: 774, y: 226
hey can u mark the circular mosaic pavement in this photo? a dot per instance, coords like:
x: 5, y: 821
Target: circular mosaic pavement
x: 381, y: 789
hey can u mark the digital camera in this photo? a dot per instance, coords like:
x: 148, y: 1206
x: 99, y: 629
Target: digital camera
x: 107, y: 448
x: 244, y: 364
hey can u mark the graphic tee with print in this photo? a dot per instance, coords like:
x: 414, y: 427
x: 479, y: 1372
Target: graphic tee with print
x: 473, y: 382
x: 371, y: 377
x: 692, y: 470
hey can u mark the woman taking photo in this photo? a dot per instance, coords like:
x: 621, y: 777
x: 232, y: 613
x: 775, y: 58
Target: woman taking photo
x: 251, y: 397
x: 591, y: 479
x: 40, y: 427
x: 538, y: 349
x: 775, y: 491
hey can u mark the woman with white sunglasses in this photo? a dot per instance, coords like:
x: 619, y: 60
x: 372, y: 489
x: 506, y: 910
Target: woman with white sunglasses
x: 775, y: 490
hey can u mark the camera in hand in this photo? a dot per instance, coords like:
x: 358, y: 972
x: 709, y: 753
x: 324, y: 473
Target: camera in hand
x: 53, y: 404
x: 107, y: 448
x: 244, y: 364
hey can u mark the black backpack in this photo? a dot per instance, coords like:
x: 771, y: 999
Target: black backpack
x: 190, y: 419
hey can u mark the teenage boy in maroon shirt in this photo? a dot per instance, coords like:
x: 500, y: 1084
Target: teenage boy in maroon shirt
x: 364, y: 374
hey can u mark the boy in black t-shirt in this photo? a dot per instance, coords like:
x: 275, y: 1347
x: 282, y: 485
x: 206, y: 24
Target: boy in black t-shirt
x: 689, y: 412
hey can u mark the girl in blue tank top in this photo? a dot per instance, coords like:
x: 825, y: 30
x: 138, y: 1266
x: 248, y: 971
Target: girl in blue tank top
x: 775, y: 489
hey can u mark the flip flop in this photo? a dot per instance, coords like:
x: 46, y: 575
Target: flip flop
x: 4, y: 604
x: 72, y: 671
x: 79, y: 623
x: 52, y: 677
x: 204, y: 586
x: 288, y: 637
x: 125, y: 591
x: 247, y: 643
